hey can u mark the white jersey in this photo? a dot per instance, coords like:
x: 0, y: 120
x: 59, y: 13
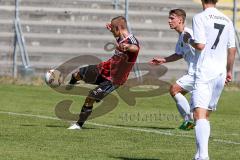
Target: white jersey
x: 216, y: 31
x: 187, y: 51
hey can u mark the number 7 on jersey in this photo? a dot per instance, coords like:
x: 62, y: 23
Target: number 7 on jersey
x: 220, y: 27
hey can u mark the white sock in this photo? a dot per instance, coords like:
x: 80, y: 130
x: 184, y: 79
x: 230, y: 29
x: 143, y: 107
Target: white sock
x: 183, y: 106
x: 197, y: 151
x: 202, y: 133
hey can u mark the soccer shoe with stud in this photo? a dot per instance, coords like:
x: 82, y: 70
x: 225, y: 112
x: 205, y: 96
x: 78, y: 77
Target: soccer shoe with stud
x: 187, y: 125
x: 75, y: 126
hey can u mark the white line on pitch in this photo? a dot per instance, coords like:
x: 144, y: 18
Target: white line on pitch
x: 119, y: 127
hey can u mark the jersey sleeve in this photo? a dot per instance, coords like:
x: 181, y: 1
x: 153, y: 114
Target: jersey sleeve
x: 198, y: 29
x: 231, y: 40
x: 133, y: 40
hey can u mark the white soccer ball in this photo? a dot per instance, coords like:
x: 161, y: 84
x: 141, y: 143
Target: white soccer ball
x: 53, y: 78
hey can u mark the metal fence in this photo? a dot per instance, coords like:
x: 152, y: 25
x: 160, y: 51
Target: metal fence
x: 235, y: 12
x: 20, y: 42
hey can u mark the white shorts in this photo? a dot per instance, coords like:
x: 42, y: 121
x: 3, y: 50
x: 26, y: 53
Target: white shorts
x: 186, y: 82
x: 206, y: 95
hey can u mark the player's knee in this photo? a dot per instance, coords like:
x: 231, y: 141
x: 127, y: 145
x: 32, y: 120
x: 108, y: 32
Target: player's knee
x: 173, y: 90
x: 208, y: 115
x: 200, y: 113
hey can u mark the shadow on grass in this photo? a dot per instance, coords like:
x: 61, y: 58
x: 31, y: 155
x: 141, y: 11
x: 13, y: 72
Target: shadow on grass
x: 56, y: 126
x: 146, y: 127
x: 28, y: 125
x: 62, y: 126
x: 127, y: 158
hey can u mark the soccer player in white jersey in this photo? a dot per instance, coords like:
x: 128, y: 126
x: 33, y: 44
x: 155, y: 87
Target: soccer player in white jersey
x: 214, y: 41
x: 183, y: 85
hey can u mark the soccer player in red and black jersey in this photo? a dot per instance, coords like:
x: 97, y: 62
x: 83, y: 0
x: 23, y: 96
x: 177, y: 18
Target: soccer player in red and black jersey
x: 111, y: 74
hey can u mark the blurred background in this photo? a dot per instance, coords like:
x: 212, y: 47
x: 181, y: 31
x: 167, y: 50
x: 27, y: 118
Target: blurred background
x: 37, y: 35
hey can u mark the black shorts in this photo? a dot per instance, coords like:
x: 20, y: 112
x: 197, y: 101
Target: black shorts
x: 90, y: 74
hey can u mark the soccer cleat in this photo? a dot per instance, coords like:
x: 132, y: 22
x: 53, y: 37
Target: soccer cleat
x: 75, y: 126
x: 187, y: 125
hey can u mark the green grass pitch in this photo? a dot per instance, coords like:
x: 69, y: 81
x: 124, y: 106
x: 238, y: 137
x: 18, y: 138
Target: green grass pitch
x: 126, y: 133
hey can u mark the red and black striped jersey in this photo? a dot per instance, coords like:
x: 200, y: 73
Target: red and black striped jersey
x: 118, y: 67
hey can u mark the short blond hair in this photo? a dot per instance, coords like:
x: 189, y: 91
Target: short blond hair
x: 179, y: 12
x: 120, y: 21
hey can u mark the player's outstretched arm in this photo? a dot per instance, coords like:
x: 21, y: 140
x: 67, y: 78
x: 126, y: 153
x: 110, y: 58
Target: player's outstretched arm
x: 171, y: 58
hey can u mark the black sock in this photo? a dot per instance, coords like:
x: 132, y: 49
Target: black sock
x: 85, y: 113
x: 73, y: 80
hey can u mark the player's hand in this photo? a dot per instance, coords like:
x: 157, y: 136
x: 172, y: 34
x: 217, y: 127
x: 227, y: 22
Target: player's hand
x: 123, y: 47
x: 109, y: 26
x: 228, y: 77
x: 186, y: 36
x: 157, y: 61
